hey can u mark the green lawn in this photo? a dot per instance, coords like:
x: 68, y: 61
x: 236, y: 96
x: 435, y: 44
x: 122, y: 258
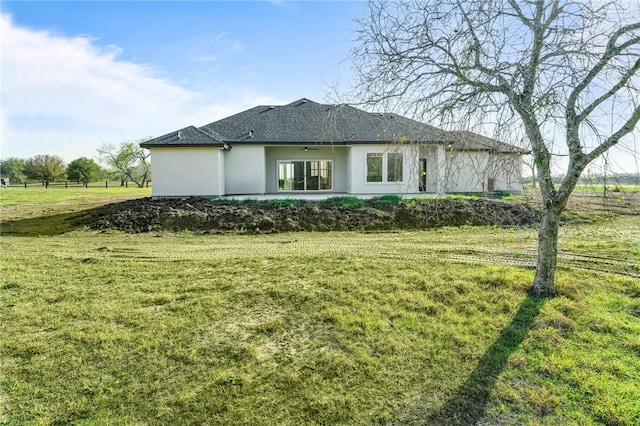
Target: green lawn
x: 612, y: 186
x: 43, y: 211
x: 39, y: 195
x: 431, y: 327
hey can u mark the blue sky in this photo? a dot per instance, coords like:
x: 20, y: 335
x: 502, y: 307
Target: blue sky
x: 76, y: 75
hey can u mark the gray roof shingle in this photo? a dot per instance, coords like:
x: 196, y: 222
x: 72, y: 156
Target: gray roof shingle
x: 307, y: 122
x: 189, y: 136
x: 468, y: 141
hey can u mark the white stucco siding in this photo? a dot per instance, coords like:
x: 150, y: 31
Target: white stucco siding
x: 337, y: 154
x: 187, y: 171
x: 349, y: 171
x: 466, y: 171
x: 358, y: 164
x: 479, y: 171
x: 508, y: 172
x: 245, y: 170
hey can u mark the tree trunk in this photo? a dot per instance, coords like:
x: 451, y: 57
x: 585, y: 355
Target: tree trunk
x: 544, y: 282
x: 533, y: 174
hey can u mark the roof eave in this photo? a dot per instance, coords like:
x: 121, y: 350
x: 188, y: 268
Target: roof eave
x: 175, y: 145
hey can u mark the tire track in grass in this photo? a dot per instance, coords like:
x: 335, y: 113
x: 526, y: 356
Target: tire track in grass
x: 521, y: 259
x: 413, y: 247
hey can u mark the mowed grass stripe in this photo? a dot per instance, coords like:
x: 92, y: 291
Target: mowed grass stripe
x: 514, y: 247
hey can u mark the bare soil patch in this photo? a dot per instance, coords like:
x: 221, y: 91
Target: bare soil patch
x: 197, y: 214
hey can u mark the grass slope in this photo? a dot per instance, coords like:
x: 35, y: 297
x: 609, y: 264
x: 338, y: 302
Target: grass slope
x: 40, y: 211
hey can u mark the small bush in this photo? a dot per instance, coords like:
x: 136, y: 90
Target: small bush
x: 502, y: 194
x: 344, y: 202
x: 460, y: 197
x: 386, y: 200
x: 288, y: 202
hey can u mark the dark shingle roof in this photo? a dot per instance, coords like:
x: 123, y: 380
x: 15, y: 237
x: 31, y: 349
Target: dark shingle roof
x: 468, y: 141
x: 305, y: 121
x: 189, y: 136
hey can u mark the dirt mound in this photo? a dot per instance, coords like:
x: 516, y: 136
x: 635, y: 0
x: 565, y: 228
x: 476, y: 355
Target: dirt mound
x: 196, y: 214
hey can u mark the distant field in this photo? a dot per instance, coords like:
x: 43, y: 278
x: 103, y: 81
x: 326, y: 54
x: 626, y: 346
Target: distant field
x: 20, y: 203
x: 612, y: 187
x: 596, y: 200
x: 38, y: 194
x: 429, y: 327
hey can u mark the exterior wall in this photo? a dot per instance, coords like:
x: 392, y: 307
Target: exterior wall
x: 466, y: 171
x: 441, y: 161
x: 245, y: 170
x: 358, y: 163
x: 508, y: 173
x: 187, y: 171
x: 337, y: 154
x: 349, y: 180
x: 209, y: 171
x: 474, y: 171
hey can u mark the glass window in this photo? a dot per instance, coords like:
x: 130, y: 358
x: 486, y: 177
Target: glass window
x: 374, y: 167
x: 325, y: 175
x: 313, y: 175
x: 285, y: 176
x: 394, y: 167
x: 298, y: 176
x: 305, y: 175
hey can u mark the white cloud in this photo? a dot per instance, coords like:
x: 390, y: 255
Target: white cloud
x: 68, y: 95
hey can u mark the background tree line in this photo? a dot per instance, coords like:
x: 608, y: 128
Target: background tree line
x: 127, y: 162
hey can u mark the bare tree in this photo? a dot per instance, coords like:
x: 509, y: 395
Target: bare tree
x: 562, y: 74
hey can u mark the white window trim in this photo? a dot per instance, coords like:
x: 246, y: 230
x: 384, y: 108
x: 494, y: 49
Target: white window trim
x: 385, y: 163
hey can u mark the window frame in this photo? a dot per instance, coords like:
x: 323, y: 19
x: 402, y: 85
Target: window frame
x: 366, y: 162
x: 305, y: 174
x: 391, y: 167
x: 385, y: 167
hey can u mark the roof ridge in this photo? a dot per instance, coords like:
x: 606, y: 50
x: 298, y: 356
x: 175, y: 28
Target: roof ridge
x: 217, y: 136
x: 189, y: 135
x: 301, y: 101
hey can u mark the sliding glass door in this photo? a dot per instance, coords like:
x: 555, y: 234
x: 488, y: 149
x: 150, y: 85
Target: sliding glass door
x: 314, y: 175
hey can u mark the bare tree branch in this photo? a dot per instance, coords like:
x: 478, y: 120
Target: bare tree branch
x: 563, y: 72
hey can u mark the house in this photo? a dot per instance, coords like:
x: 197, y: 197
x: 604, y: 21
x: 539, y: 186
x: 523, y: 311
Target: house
x: 306, y: 147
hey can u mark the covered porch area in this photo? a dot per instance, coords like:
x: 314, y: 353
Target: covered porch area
x: 306, y: 171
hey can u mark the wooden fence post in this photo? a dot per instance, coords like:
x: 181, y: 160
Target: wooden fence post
x: 106, y: 183
x: 25, y: 184
x: 65, y: 184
